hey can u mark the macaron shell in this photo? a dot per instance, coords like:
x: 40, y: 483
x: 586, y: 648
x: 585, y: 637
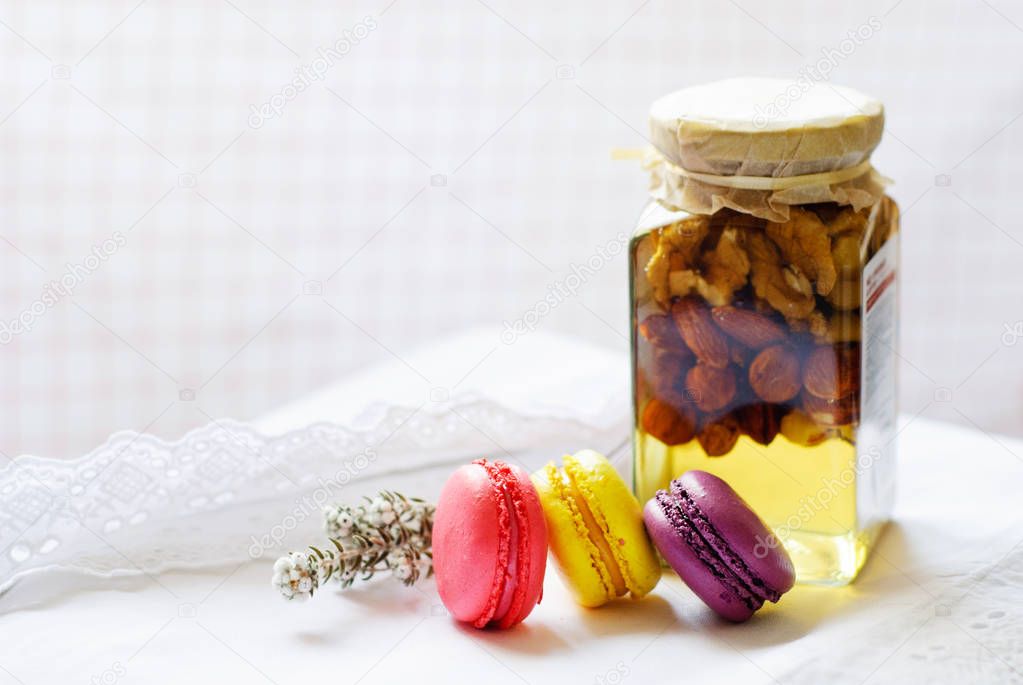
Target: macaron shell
x: 466, y: 543
x: 685, y: 562
x: 618, y: 512
x: 576, y: 557
x: 741, y: 528
x: 474, y: 563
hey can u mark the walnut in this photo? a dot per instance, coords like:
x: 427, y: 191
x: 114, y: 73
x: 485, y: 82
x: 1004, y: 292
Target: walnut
x: 681, y: 282
x: 783, y: 290
x: 716, y: 274
x: 848, y: 220
x: 677, y: 247
x: 804, y: 243
x: 797, y: 280
x: 725, y: 268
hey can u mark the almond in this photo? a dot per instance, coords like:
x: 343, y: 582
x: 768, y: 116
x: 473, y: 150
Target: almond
x: 693, y: 320
x: 663, y: 422
x: 774, y: 374
x: 832, y: 372
x: 831, y: 413
x: 710, y: 389
x: 761, y: 421
x: 659, y: 330
x: 751, y: 328
x: 718, y: 437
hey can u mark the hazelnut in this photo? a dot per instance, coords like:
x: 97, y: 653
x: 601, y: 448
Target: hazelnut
x: 718, y: 437
x: 832, y: 371
x: 666, y: 375
x: 709, y: 388
x: 664, y: 422
x: 774, y: 374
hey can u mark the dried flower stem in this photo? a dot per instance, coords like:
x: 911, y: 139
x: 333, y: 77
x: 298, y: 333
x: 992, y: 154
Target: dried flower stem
x: 389, y: 531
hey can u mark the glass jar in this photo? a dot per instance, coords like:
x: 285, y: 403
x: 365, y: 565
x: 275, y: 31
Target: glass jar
x: 764, y: 313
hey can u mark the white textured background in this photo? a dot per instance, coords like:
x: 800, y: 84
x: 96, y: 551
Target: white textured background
x: 134, y: 117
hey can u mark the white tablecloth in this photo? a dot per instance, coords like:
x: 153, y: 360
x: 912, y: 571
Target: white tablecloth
x: 942, y: 599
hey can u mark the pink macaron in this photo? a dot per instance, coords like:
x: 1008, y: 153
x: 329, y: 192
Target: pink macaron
x: 489, y: 544
x: 718, y: 545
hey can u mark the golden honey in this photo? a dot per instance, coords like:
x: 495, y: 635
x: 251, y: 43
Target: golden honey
x: 803, y: 492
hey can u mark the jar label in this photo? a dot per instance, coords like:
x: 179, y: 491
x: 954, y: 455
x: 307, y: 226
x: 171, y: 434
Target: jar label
x: 875, y: 463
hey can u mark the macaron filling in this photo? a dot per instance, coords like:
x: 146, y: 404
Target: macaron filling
x: 511, y: 576
x: 697, y: 531
x: 602, y: 558
x: 596, y: 535
x: 504, y: 606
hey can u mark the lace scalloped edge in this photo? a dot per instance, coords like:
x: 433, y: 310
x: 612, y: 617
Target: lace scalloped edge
x: 139, y: 504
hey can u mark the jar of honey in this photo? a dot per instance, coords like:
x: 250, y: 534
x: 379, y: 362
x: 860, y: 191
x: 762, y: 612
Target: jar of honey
x: 765, y: 315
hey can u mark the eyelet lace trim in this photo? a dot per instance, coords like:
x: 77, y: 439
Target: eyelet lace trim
x: 141, y: 505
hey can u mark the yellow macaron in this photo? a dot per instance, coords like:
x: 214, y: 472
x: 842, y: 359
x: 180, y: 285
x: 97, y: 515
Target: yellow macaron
x: 595, y: 530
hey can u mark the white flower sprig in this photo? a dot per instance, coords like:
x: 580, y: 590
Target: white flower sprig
x: 390, y: 531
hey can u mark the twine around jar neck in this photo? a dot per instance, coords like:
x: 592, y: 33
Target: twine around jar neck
x: 750, y: 182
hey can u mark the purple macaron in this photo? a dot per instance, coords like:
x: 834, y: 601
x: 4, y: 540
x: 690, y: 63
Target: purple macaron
x: 718, y: 545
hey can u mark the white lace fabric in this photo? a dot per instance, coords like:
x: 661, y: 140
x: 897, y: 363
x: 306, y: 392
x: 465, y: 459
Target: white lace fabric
x: 969, y: 631
x: 139, y: 504
x: 940, y: 601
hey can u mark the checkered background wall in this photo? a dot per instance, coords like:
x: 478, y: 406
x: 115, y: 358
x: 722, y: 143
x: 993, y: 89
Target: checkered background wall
x: 450, y: 163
